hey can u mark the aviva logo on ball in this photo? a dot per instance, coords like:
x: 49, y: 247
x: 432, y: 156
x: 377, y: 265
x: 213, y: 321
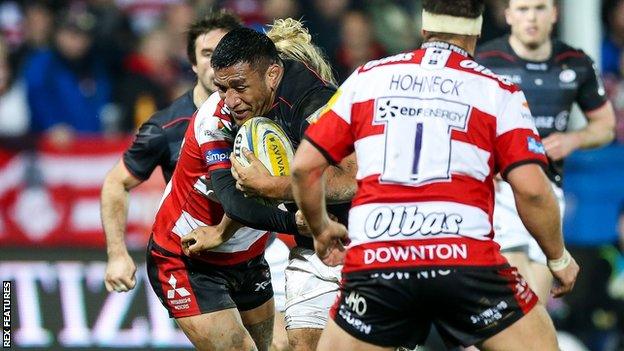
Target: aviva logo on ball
x: 277, y: 154
x: 269, y: 143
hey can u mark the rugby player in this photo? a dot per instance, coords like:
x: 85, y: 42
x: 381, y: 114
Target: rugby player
x: 287, y: 84
x: 553, y: 76
x: 429, y: 136
x: 157, y: 144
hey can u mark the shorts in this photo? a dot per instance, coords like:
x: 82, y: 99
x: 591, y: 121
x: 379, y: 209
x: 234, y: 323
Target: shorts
x: 509, y: 231
x: 466, y: 304
x: 188, y: 287
x: 276, y: 255
x: 311, y: 289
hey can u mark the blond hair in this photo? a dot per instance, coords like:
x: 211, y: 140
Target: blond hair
x: 294, y: 42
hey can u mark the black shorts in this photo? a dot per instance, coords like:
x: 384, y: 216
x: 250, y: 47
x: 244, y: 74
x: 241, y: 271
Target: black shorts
x: 466, y: 304
x: 188, y: 287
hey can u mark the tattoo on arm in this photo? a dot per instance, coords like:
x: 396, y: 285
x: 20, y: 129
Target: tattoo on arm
x: 341, y: 185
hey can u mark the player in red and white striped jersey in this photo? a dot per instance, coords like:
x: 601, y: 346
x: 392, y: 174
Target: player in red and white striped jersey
x: 429, y: 135
x: 230, y: 281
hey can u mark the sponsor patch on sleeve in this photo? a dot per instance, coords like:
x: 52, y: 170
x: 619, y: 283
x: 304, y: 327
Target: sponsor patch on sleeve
x: 215, y: 156
x: 535, y: 146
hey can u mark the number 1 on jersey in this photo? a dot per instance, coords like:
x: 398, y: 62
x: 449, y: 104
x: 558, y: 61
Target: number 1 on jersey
x: 417, y: 137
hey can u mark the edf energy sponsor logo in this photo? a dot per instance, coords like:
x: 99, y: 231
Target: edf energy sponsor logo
x: 413, y: 253
x: 217, y: 155
x: 454, y: 114
x: 407, y: 221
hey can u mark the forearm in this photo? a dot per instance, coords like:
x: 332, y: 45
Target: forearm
x: 539, y: 211
x: 248, y: 211
x: 279, y: 188
x: 114, y: 214
x: 308, y: 189
x: 228, y: 227
x: 600, y: 128
x: 595, y: 134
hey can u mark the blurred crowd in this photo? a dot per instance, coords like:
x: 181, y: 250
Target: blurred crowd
x: 104, y: 66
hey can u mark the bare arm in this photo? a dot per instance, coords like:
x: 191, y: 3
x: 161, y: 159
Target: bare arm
x: 120, y: 268
x: 599, y: 131
x: 309, y: 192
x: 539, y: 211
x: 256, y: 180
x: 208, y: 237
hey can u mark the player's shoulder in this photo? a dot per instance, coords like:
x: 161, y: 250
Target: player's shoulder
x: 496, y: 51
x: 398, y: 59
x: 179, y: 112
x: 469, y: 65
x: 299, y: 79
x: 566, y: 54
x: 213, y: 121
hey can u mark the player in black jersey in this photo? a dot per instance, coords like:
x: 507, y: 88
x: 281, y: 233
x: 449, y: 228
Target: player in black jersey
x: 157, y: 143
x: 553, y: 76
x: 288, y: 87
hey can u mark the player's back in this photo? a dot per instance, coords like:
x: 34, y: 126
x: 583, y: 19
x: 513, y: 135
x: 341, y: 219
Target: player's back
x: 187, y: 203
x: 429, y: 135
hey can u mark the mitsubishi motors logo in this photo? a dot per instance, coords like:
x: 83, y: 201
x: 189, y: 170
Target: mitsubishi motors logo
x: 181, y: 291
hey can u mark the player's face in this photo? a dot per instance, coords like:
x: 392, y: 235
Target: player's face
x: 246, y: 91
x: 531, y: 21
x: 204, y: 46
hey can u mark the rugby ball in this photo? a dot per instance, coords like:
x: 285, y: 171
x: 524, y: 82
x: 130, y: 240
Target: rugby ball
x: 268, y: 142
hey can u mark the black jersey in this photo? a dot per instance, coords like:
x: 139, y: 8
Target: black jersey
x: 301, y: 93
x: 158, y: 141
x: 550, y: 86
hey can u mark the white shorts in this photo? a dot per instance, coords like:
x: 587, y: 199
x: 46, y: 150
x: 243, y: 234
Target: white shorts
x: 276, y: 255
x: 509, y: 231
x: 311, y: 289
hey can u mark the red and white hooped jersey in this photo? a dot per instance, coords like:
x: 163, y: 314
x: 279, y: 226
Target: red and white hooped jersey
x: 186, y: 205
x: 430, y: 128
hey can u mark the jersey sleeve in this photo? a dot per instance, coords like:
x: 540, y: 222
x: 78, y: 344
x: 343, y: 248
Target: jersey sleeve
x: 214, y: 138
x: 517, y: 141
x: 591, y: 93
x: 147, y: 150
x: 330, y: 132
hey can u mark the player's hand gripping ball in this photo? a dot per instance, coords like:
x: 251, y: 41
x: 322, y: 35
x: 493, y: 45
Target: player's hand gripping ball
x: 269, y: 143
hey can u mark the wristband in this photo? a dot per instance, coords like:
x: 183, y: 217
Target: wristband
x: 560, y: 263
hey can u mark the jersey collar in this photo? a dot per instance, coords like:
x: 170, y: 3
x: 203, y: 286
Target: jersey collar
x: 445, y: 46
x: 529, y: 65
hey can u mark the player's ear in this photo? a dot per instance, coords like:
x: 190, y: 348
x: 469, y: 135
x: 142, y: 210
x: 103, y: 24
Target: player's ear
x: 273, y: 75
x: 555, y: 14
x: 507, y: 16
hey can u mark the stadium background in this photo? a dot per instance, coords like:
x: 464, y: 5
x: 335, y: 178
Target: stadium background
x: 52, y: 166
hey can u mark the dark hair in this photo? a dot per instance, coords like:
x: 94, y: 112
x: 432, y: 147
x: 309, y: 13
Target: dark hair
x: 245, y: 45
x: 457, y: 8
x: 223, y: 19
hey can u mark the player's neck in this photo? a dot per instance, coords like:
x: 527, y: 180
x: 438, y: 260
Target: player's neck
x: 540, y: 53
x: 200, y: 95
x: 468, y: 43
